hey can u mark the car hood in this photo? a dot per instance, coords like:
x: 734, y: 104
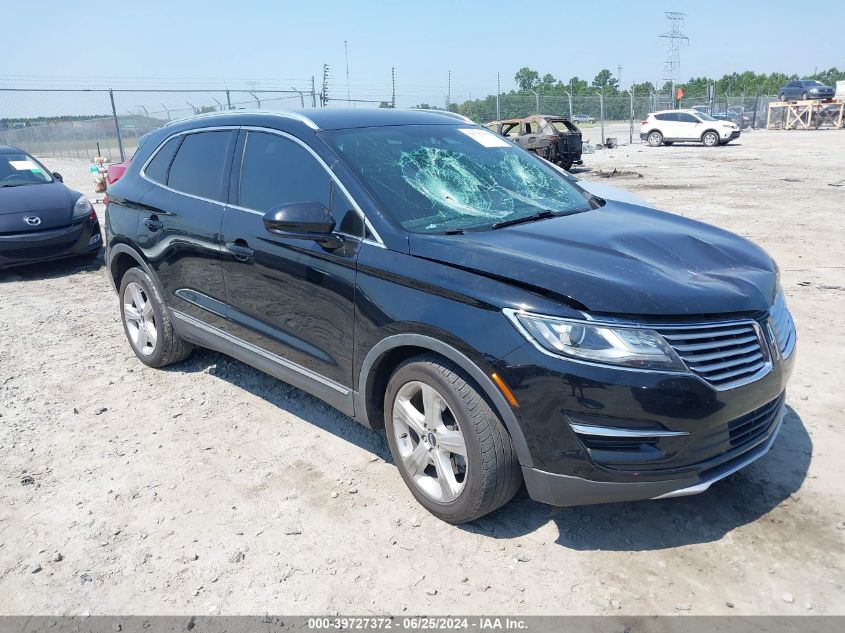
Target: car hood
x: 36, y: 198
x: 620, y: 259
x: 51, y: 202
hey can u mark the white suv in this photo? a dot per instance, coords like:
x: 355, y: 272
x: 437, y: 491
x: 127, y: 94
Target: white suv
x: 668, y: 126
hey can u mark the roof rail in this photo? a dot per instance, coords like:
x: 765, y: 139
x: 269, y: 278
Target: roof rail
x: 448, y: 113
x: 296, y: 116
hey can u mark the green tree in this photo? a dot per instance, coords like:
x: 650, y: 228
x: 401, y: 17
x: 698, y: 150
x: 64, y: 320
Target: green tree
x: 605, y: 80
x: 526, y: 78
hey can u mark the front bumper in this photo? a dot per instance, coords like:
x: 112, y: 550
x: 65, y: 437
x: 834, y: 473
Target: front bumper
x: 565, y: 490
x: 733, y: 134
x: 600, y: 434
x: 79, y: 238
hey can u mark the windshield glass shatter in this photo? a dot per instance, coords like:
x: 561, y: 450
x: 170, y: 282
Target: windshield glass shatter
x: 446, y: 178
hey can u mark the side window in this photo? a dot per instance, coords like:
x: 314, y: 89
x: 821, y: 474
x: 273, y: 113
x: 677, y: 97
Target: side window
x: 277, y: 171
x: 531, y: 128
x: 160, y: 164
x: 684, y: 117
x: 198, y: 168
x: 662, y: 117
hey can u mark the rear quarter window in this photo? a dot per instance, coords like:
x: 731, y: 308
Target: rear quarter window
x: 200, y: 163
x: 159, y: 166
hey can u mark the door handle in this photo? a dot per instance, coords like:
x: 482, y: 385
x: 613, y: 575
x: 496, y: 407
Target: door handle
x: 153, y: 223
x: 240, y: 250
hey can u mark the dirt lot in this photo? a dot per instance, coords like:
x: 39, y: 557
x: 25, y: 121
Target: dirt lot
x: 211, y: 488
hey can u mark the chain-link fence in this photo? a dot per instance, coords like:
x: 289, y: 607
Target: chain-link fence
x: 108, y: 123
x: 745, y: 111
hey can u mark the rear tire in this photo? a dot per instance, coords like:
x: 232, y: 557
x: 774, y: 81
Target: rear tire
x: 655, y: 139
x: 804, y: 96
x: 450, y: 447
x: 710, y: 139
x: 147, y: 323
x: 782, y: 97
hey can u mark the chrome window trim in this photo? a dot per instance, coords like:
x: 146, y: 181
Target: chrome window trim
x: 143, y: 171
x: 767, y: 367
x: 608, y: 431
x: 376, y: 242
x: 262, y: 352
x: 286, y: 114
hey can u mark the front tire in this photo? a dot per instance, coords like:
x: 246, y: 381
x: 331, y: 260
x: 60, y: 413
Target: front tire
x: 710, y: 139
x: 655, y: 139
x: 451, y: 449
x: 147, y: 323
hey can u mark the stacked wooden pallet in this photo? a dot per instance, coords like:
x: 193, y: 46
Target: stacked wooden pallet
x: 810, y: 114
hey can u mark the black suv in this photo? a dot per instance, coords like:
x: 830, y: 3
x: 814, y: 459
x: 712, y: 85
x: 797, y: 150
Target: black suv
x: 427, y: 276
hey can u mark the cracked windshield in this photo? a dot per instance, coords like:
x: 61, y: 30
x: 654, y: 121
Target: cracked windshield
x: 437, y: 178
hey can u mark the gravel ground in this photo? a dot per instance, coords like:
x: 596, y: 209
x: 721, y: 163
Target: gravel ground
x: 212, y: 488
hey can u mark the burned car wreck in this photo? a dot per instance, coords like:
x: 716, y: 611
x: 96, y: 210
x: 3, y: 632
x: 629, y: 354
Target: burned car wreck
x: 556, y: 139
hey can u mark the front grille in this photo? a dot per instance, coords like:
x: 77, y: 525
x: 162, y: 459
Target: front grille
x: 784, y: 328
x: 722, y: 354
x: 751, y: 427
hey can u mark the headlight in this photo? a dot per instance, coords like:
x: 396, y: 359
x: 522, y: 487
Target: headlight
x: 598, y: 343
x: 82, y: 208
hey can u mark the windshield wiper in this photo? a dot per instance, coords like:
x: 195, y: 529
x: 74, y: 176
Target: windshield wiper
x: 540, y: 215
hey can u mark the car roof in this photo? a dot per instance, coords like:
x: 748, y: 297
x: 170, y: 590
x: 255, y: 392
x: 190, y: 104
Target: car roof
x: 8, y: 149
x: 689, y: 110
x: 336, y: 118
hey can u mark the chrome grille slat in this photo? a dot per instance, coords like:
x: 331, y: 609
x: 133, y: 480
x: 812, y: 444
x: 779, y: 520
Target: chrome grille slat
x: 723, y: 354
x: 680, y: 335
x: 734, y: 362
x: 737, y: 372
x: 734, y: 351
x: 694, y: 347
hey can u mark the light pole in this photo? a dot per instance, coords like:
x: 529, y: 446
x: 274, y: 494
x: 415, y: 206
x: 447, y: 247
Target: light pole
x: 569, y: 94
x: 301, y: 97
x: 536, y: 100
x: 601, y: 112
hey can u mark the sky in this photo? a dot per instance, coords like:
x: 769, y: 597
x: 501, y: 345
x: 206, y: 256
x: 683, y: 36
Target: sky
x: 282, y: 44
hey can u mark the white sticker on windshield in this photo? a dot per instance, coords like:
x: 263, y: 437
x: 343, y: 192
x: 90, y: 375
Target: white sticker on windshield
x: 484, y: 137
x: 24, y: 165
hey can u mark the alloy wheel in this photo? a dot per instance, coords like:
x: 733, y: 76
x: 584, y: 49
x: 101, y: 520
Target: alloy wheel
x: 430, y: 442
x: 139, y: 316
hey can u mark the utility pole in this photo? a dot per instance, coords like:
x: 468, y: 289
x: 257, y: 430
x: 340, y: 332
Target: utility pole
x: 674, y: 38
x: 313, y: 93
x: 619, y: 74
x: 346, y: 54
x: 498, y: 92
x: 449, y: 89
x: 324, y: 93
x: 393, y: 87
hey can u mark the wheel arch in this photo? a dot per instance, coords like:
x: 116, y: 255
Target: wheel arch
x: 388, y: 353
x: 710, y: 129
x: 122, y: 257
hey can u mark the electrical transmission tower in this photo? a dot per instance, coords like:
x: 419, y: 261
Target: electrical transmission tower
x: 675, y: 38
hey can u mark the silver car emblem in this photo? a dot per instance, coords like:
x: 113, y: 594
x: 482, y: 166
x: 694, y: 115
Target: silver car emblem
x: 32, y: 220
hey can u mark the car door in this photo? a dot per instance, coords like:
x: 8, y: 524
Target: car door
x: 180, y: 217
x: 793, y: 89
x: 290, y: 299
x: 669, y: 125
x: 689, y: 127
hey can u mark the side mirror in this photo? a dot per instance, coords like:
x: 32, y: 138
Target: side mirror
x: 303, y: 221
x: 58, y: 176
